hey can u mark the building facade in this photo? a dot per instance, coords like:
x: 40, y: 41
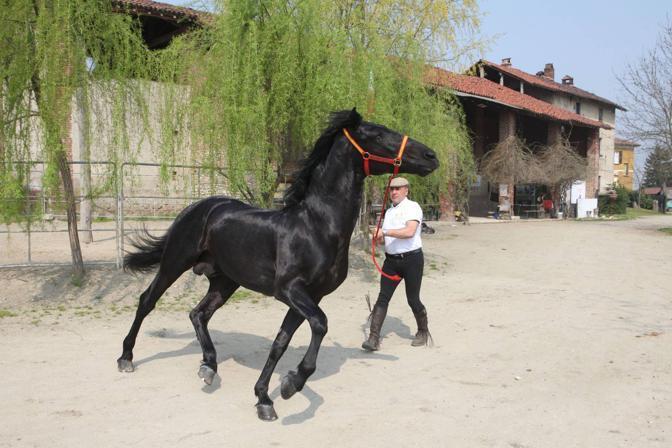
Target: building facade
x: 564, y: 95
x: 624, y: 162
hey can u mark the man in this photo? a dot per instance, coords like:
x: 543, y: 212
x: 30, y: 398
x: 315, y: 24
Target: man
x: 400, y: 233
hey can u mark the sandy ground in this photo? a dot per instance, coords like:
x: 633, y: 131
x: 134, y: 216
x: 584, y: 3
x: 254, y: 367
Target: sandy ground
x: 547, y: 334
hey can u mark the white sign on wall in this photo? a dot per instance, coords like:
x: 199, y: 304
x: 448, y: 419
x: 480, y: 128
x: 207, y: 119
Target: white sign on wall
x: 504, y: 190
x: 578, y: 191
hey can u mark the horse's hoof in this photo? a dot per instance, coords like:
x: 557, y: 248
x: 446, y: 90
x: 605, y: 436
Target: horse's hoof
x: 206, y: 374
x: 287, y: 387
x: 125, y: 365
x: 266, y: 412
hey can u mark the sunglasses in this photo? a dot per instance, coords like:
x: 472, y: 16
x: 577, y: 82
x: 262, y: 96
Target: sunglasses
x: 396, y: 188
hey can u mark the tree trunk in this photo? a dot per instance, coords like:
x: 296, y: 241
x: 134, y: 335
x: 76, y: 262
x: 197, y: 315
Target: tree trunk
x: 69, y: 193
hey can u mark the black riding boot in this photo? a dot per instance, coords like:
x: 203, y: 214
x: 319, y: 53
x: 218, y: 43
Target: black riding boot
x: 422, y: 336
x: 377, y: 317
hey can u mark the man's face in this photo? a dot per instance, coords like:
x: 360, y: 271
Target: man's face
x: 398, y: 194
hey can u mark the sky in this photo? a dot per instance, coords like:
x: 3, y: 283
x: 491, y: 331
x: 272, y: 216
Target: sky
x: 590, y: 40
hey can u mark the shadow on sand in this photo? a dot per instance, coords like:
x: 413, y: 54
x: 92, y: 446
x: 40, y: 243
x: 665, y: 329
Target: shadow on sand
x: 252, y: 351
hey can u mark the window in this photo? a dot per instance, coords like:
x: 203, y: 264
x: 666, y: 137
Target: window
x: 578, y: 107
x: 618, y: 157
x: 600, y: 114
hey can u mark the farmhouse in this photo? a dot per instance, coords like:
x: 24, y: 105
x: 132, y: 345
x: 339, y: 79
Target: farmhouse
x: 500, y: 101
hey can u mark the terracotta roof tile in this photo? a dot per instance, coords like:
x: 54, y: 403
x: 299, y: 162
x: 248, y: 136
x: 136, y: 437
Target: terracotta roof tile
x: 482, y: 87
x: 548, y: 84
x: 150, y: 7
x: 624, y: 142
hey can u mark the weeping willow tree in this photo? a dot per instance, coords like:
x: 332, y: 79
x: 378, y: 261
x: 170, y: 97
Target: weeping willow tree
x: 249, y: 90
x: 263, y: 75
x: 52, y: 53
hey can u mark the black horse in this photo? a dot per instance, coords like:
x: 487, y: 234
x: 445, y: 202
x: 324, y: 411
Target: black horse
x: 297, y: 254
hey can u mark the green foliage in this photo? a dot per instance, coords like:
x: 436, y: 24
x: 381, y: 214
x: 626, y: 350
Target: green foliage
x: 614, y: 203
x: 250, y: 90
x: 644, y: 201
x: 51, y: 52
x: 658, y: 168
x: 263, y: 77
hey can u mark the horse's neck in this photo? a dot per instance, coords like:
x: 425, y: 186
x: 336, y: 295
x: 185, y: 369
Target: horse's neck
x: 335, y: 189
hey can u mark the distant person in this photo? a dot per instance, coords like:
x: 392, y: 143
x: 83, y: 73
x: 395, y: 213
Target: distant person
x: 400, y: 233
x: 548, y: 205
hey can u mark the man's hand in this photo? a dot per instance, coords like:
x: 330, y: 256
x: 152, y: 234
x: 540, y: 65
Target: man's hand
x: 378, y: 236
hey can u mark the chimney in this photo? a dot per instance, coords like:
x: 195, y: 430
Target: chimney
x: 506, y: 62
x: 549, y: 71
x: 568, y: 80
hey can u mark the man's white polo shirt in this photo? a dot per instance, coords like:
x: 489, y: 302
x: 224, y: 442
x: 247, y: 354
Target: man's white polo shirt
x: 396, y: 217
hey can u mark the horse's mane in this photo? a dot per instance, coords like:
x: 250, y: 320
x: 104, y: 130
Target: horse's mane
x: 337, y: 121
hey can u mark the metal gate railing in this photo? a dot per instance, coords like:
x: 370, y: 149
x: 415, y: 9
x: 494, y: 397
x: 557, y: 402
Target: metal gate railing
x: 133, y: 194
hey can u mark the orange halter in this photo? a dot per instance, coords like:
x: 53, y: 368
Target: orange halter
x: 366, y: 156
x: 396, y: 162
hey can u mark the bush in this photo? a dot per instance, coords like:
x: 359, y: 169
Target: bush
x: 615, y: 202
x: 643, y: 202
x: 646, y: 202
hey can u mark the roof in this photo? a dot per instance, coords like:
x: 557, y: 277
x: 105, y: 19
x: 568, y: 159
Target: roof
x: 158, y: 9
x: 652, y: 190
x: 624, y: 142
x: 465, y: 85
x: 548, y: 84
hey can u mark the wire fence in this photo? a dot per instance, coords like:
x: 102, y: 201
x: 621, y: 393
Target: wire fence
x: 120, y: 199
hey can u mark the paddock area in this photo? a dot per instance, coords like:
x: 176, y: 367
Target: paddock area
x: 546, y: 334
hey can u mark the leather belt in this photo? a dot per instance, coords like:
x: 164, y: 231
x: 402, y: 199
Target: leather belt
x: 403, y: 255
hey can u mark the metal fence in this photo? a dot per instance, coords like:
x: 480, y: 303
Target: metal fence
x: 131, y: 197
x: 134, y: 196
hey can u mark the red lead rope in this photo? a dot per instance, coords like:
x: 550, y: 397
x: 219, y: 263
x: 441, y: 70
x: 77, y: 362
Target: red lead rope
x: 396, y: 162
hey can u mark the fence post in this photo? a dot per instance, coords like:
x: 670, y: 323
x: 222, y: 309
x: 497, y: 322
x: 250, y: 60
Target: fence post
x: 30, y: 259
x: 119, y: 228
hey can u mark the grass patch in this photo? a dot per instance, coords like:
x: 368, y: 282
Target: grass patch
x: 245, y: 294
x: 6, y: 313
x: 637, y: 212
x: 630, y: 213
x: 667, y: 230
x: 77, y: 281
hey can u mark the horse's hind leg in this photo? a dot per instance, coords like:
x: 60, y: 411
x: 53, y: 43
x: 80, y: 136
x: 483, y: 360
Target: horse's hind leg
x: 148, y: 299
x: 291, y: 322
x: 221, y: 288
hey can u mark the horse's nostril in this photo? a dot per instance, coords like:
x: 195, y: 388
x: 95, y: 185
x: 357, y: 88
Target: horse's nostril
x: 430, y: 155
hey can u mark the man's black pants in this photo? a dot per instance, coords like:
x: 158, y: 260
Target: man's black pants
x: 409, y: 268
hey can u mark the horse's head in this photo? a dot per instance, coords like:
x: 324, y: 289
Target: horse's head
x: 376, y: 141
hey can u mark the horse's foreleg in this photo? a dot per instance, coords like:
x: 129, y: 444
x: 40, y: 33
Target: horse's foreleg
x: 221, y: 288
x: 265, y: 409
x: 147, y: 302
x: 308, y: 309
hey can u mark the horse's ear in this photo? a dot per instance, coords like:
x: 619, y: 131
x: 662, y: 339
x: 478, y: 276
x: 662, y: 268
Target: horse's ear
x: 355, y: 118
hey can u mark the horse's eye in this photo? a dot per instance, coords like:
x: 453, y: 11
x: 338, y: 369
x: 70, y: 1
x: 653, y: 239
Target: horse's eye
x: 379, y: 139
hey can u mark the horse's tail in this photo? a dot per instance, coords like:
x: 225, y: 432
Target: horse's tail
x: 150, y: 250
